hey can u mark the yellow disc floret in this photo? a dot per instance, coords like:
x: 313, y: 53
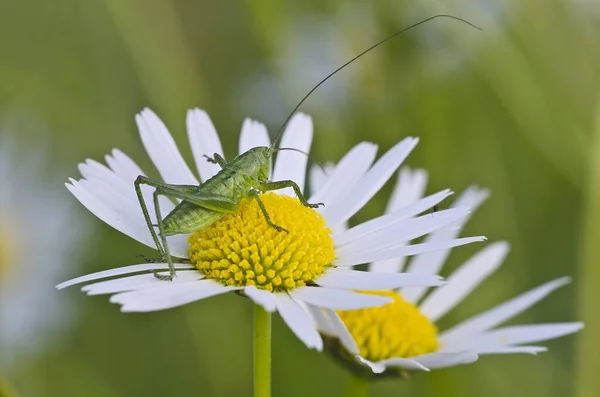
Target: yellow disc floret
x: 397, y: 329
x: 241, y: 249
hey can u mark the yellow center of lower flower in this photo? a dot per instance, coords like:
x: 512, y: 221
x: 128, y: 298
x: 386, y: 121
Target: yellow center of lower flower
x: 242, y: 249
x: 397, y: 329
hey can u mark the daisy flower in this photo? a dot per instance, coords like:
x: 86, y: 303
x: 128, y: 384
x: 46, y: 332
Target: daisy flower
x: 240, y: 252
x: 32, y: 259
x: 400, y: 337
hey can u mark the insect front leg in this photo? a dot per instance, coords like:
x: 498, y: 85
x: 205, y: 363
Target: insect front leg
x: 277, y: 185
x: 254, y: 194
x: 216, y: 159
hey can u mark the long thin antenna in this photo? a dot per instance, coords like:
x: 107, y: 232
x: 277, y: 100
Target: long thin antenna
x: 360, y: 55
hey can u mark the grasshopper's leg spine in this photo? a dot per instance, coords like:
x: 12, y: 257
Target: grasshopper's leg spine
x: 216, y: 159
x: 265, y: 213
x: 277, y: 185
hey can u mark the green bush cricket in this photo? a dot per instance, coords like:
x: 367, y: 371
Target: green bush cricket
x: 247, y: 175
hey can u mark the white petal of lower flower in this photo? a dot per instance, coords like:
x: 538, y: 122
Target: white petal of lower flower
x: 520, y: 334
x: 511, y: 350
x: 342, y: 332
x: 449, y: 359
x: 299, y: 321
x: 120, y: 271
x: 464, y: 280
x: 337, y: 299
x: 401, y: 215
x: 138, y: 282
x: 348, y: 171
x: 253, y: 134
x: 291, y: 165
x: 398, y: 231
x: 169, y: 296
x: 501, y: 313
x: 359, y: 194
x: 375, y: 367
x: 204, y: 140
x: 432, y: 262
x: 408, y: 250
x: 409, y: 188
x: 261, y: 297
x: 406, y: 363
x: 322, y: 321
x: 162, y: 150
x: 357, y: 280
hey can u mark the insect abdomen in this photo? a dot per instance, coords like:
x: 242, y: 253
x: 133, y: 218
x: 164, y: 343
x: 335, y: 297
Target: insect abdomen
x: 188, y: 217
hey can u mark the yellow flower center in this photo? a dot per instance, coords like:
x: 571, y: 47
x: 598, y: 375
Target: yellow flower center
x: 397, y: 329
x: 241, y: 249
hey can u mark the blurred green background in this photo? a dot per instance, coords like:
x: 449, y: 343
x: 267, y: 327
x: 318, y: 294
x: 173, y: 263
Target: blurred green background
x: 513, y: 108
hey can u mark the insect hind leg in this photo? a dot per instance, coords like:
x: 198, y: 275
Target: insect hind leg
x: 163, y: 238
x: 141, y: 180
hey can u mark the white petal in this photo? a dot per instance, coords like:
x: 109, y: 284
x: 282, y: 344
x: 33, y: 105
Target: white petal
x: 414, y: 249
x: 162, y: 150
x: 357, y: 280
x: 400, y: 215
x: 322, y: 321
x: 292, y: 165
x: 204, y: 140
x: 406, y: 363
x: 520, y: 334
x: 398, y: 232
x: 464, y: 280
x: 169, y: 296
x: 442, y: 360
x: 138, y: 282
x: 123, y: 166
x: 261, y: 297
x: 319, y: 176
x: 432, y: 262
x: 375, y: 367
x: 111, y: 216
x: 253, y: 134
x: 348, y: 171
x: 409, y: 188
x: 512, y: 350
x: 298, y: 321
x: 120, y: 271
x: 406, y: 195
x: 93, y: 170
x: 359, y: 194
x: 337, y: 299
x: 342, y: 332
x: 501, y: 313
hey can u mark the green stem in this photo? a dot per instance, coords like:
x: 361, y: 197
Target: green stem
x: 357, y: 386
x: 262, y: 352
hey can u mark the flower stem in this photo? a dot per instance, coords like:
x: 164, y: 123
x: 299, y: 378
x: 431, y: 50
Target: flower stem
x: 262, y: 352
x: 357, y: 386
